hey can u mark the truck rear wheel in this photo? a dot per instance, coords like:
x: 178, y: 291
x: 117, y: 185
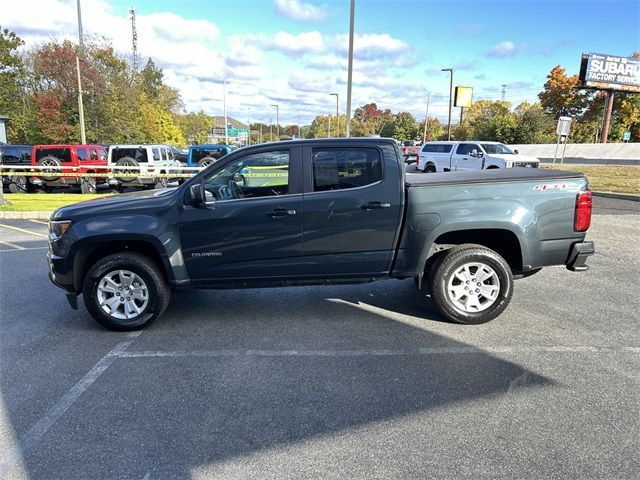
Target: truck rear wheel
x: 471, y: 284
x: 125, y: 291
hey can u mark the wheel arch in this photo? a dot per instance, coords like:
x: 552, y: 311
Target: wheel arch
x: 88, y: 255
x: 505, y: 242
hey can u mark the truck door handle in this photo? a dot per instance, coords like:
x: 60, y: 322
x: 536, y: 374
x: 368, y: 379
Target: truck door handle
x: 281, y: 213
x: 375, y: 206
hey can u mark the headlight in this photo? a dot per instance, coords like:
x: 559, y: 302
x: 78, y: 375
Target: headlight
x: 58, y: 228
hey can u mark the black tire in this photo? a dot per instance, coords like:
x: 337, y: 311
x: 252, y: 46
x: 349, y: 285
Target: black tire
x: 88, y: 185
x: 157, y: 290
x: 20, y: 184
x: 206, y: 161
x: 54, y: 163
x: 127, y: 162
x: 443, y: 272
x: 429, y: 169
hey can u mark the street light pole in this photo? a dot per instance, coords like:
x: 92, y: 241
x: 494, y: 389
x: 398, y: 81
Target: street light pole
x: 350, y: 67
x: 337, y: 116
x: 224, y: 106
x: 277, y: 121
x: 83, y: 138
x: 450, y: 70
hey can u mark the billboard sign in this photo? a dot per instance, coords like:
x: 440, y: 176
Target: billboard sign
x: 463, y: 97
x: 610, y: 72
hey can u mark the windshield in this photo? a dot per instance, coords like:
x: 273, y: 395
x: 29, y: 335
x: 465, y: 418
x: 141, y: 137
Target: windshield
x: 497, y: 148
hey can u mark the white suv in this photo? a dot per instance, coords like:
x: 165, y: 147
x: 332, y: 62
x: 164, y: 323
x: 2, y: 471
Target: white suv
x: 147, y: 160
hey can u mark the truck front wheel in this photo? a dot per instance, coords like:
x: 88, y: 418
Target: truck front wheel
x: 471, y: 284
x: 125, y: 291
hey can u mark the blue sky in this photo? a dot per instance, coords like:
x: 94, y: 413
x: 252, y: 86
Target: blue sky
x: 293, y: 52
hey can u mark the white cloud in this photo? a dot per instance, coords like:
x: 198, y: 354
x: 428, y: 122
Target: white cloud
x: 503, y: 50
x: 305, y: 42
x: 300, y: 11
x: 369, y: 46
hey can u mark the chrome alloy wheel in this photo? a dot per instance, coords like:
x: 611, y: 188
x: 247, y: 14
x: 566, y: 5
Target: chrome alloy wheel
x: 122, y: 294
x: 473, y: 287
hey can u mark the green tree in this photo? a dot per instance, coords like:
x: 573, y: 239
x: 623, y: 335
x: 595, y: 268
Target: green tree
x: 435, y: 130
x: 404, y: 127
x: 151, y: 78
x: 533, y: 125
x: 195, y: 127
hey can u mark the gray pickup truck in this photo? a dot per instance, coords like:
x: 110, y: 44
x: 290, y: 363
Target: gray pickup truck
x: 318, y: 212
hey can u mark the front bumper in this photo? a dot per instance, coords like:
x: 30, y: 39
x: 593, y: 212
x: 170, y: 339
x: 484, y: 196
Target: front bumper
x: 577, y: 261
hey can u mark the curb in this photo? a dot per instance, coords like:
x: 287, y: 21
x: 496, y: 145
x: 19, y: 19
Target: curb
x: 27, y: 215
x: 618, y: 196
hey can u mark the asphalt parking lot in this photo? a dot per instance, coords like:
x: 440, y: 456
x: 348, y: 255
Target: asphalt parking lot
x: 360, y: 381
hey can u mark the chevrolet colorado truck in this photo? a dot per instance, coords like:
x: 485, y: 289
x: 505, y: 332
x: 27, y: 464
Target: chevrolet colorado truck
x: 328, y: 211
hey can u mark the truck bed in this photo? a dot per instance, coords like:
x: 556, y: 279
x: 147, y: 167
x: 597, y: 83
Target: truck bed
x: 488, y: 176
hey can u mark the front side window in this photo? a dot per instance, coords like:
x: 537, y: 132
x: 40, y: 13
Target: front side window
x: 253, y: 176
x: 156, y: 155
x: 342, y: 168
x: 497, y: 148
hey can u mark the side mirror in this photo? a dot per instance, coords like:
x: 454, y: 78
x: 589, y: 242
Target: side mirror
x: 196, y: 195
x: 516, y: 151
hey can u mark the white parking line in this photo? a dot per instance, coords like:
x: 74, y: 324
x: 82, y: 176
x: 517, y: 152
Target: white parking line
x: 13, y: 455
x: 18, y: 229
x: 24, y: 249
x: 39, y: 221
x: 12, y: 245
x: 375, y: 352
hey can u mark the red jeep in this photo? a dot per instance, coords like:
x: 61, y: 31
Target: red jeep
x: 69, y: 165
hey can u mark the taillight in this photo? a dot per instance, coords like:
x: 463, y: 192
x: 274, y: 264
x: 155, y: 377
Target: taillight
x: 583, y: 211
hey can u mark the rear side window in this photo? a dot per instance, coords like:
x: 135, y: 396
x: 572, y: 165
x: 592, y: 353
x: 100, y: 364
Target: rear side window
x: 62, y: 154
x: 343, y: 168
x: 82, y: 154
x: 437, y: 148
x: 138, y: 154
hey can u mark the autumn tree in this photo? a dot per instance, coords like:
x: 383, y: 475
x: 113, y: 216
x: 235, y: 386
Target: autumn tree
x: 533, y: 125
x: 560, y: 96
x: 435, y: 130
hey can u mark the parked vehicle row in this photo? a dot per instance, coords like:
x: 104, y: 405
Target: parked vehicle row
x: 27, y: 168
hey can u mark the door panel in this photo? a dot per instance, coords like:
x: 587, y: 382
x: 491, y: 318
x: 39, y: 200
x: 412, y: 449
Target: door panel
x: 349, y: 223
x: 462, y: 160
x: 252, y: 227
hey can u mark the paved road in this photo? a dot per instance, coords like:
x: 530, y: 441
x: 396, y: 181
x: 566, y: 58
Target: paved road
x: 335, y: 382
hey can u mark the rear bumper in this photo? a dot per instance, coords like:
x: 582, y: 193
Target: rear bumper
x: 577, y: 261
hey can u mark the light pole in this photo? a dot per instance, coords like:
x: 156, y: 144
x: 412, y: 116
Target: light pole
x: 277, y: 121
x: 83, y: 138
x: 224, y: 104
x: 337, y: 116
x: 350, y: 67
x: 450, y: 70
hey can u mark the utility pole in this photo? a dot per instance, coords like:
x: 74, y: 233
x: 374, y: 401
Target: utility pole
x: 350, y: 67
x: 337, y: 116
x: 271, y: 129
x: 83, y: 138
x: 277, y: 120
x: 224, y: 105
x: 504, y: 91
x: 298, y: 126
x: 608, y: 108
x: 450, y: 70
x: 426, y: 119
x: 134, y: 40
